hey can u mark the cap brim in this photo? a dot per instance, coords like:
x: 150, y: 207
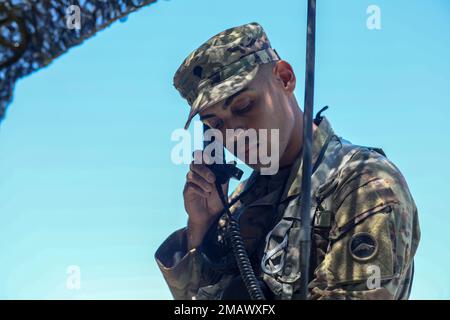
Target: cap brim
x: 212, y: 95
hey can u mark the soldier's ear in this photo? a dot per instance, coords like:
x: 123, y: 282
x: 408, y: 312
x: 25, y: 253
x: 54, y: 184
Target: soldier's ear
x: 284, y: 74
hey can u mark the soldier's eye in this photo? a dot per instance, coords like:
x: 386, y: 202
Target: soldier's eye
x: 244, y: 108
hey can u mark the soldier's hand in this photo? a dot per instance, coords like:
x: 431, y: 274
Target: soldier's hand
x: 201, y: 199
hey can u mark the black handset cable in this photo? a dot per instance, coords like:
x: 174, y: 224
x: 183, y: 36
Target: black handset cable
x: 223, y: 173
x: 240, y: 253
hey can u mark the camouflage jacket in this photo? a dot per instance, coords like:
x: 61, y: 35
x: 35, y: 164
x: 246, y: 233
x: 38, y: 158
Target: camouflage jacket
x: 365, y: 234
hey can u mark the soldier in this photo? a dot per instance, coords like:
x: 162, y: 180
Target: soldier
x: 365, y: 224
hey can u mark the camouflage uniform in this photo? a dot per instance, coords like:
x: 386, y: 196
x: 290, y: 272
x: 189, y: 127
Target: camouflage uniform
x: 366, y: 229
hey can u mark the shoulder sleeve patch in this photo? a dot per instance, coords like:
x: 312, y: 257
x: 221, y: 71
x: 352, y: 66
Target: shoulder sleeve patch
x: 363, y: 250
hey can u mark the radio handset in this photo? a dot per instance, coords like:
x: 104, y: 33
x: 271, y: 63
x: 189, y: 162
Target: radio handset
x: 223, y: 173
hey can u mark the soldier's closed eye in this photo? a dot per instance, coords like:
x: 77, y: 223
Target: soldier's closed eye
x: 243, y: 108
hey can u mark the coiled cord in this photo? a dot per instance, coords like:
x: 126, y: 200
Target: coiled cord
x: 240, y: 253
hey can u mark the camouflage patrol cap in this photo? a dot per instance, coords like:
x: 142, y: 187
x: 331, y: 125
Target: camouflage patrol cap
x: 222, y: 66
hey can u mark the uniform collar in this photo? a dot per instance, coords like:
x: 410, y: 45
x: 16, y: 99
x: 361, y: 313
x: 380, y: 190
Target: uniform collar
x: 321, y: 136
x: 293, y: 184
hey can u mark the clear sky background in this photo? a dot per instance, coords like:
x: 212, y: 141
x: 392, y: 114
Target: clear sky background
x: 86, y: 177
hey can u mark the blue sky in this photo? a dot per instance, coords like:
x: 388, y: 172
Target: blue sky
x: 85, y: 172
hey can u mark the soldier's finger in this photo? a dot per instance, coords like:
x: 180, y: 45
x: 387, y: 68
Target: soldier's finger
x: 203, y: 171
x: 195, y: 189
x: 195, y: 178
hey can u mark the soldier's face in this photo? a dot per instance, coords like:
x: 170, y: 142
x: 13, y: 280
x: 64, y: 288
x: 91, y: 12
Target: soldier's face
x: 266, y: 104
